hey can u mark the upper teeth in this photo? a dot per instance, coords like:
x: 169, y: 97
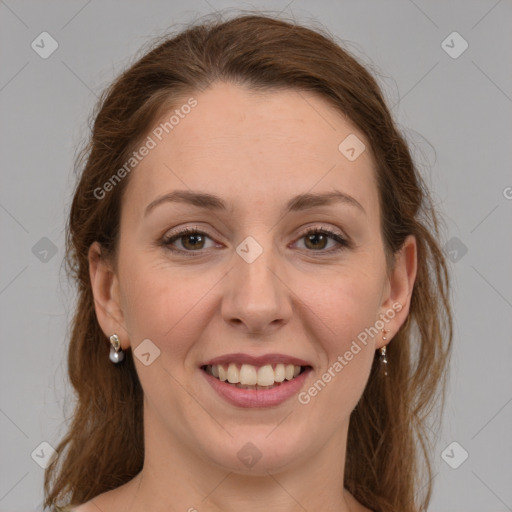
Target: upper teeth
x: 249, y: 375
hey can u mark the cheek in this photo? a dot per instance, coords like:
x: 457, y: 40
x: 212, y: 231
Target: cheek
x: 165, y: 306
x: 345, y: 303
x: 344, y: 313
x: 344, y: 349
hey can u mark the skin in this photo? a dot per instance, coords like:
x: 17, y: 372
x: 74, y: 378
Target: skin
x: 255, y: 151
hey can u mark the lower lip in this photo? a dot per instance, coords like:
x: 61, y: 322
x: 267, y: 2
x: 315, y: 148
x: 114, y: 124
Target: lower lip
x: 257, y: 397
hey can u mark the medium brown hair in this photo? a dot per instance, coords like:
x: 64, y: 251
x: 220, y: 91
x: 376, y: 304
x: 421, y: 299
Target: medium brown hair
x: 388, y: 459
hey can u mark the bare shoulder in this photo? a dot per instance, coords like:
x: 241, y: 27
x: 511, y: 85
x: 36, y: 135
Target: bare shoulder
x: 98, y: 504
x: 85, y: 507
x: 115, y: 500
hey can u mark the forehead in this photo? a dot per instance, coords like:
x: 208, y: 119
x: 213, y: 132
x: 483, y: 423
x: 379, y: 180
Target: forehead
x: 253, y: 148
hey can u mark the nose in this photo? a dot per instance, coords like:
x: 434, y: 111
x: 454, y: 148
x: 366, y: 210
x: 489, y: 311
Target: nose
x: 257, y: 299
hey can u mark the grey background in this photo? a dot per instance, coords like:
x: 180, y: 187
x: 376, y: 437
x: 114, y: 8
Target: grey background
x: 455, y: 111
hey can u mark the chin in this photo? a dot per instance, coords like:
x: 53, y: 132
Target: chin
x: 259, y: 451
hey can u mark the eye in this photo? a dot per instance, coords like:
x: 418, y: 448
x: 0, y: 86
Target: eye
x: 316, y: 239
x: 191, y: 239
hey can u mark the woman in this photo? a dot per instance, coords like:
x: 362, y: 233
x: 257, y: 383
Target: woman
x: 254, y: 246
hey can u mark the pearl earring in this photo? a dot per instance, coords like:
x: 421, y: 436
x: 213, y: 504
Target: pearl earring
x: 116, y: 352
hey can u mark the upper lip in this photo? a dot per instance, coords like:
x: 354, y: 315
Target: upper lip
x: 256, y: 360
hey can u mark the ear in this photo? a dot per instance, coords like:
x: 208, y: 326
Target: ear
x: 399, y: 287
x: 105, y: 288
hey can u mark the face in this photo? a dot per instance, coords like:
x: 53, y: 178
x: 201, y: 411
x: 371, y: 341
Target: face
x: 265, y: 279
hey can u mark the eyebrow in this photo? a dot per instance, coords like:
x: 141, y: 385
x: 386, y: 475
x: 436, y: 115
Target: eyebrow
x: 212, y: 202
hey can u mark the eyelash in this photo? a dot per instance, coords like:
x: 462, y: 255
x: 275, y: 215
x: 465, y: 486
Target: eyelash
x: 333, y: 235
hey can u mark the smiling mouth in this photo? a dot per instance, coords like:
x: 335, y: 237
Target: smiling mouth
x: 247, y: 376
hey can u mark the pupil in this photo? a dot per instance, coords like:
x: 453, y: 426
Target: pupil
x: 197, y: 238
x: 316, y: 236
